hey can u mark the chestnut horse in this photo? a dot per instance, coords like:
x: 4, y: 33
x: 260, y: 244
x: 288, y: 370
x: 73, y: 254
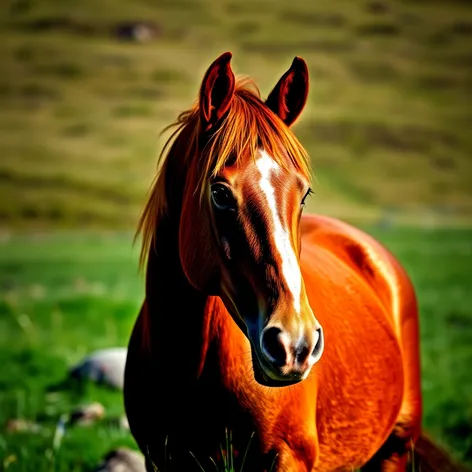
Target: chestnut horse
x: 295, y: 334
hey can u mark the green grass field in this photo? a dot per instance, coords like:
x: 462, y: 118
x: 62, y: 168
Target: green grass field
x: 65, y: 295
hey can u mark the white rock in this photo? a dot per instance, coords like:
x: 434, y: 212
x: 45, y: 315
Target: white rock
x: 19, y: 425
x: 122, y: 460
x: 87, y: 414
x: 105, y: 366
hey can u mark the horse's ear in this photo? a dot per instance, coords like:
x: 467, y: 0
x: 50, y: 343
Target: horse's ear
x: 288, y: 98
x: 216, y: 91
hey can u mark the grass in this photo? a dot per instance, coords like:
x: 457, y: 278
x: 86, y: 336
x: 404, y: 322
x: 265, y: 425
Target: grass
x: 61, y: 298
x: 63, y: 295
x: 387, y: 122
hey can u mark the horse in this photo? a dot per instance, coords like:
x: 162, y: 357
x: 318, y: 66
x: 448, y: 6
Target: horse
x: 268, y: 338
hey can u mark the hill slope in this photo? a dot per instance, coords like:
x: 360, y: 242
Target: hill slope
x: 387, y: 124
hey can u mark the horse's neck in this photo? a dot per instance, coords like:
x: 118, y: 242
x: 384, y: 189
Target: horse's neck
x: 187, y: 330
x: 178, y: 316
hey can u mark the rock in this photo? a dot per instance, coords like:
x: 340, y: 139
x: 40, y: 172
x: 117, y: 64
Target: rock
x: 87, y: 414
x: 122, y: 460
x: 124, y: 424
x: 138, y: 31
x: 19, y: 425
x: 106, y: 366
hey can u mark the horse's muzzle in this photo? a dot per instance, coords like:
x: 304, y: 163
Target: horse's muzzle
x: 281, y: 362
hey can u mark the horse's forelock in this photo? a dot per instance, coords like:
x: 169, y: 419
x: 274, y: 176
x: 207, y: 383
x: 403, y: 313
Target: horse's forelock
x: 247, y: 127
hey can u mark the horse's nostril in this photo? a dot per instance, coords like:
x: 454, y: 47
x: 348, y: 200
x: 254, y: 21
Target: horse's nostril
x: 302, y: 353
x: 273, y: 346
x: 319, y: 345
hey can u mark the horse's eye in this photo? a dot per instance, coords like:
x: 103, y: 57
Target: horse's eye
x: 222, y: 197
x: 310, y: 191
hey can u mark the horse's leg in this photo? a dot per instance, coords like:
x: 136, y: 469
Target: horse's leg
x: 393, y: 455
x: 299, y: 458
x: 285, y: 461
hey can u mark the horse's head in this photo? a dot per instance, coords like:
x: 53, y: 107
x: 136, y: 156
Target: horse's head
x: 239, y: 238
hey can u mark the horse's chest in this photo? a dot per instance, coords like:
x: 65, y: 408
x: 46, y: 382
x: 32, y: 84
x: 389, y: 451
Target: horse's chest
x: 355, y: 414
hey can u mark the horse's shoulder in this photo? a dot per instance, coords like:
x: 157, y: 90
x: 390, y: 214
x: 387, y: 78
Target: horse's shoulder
x: 347, y: 242
x: 358, y: 250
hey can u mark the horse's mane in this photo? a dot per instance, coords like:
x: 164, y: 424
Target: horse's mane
x: 248, y: 126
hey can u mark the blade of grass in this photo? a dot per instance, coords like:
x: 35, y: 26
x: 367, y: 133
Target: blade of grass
x: 231, y: 451
x: 196, y: 460
x: 246, y: 451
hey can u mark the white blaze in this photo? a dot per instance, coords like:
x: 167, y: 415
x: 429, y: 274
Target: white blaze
x: 290, y: 267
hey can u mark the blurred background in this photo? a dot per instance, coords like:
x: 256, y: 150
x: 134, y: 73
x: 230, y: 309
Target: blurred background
x: 85, y: 89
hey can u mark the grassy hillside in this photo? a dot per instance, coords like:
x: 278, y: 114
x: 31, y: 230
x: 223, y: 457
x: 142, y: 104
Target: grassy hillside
x: 387, y: 123
x: 63, y: 296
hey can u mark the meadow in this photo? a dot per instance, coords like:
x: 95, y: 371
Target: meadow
x: 65, y: 295
x: 81, y: 108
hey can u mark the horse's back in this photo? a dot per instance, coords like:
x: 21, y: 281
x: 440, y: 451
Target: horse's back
x: 381, y: 280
